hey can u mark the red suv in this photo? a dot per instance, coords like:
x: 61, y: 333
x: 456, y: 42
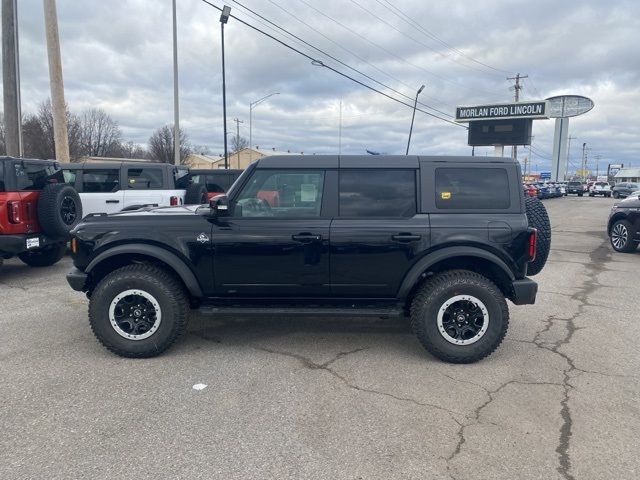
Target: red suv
x: 37, y: 211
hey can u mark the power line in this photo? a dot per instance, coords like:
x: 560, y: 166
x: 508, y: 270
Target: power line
x: 405, y: 34
x: 321, y: 64
x: 333, y: 57
x: 433, y: 36
x: 388, y: 52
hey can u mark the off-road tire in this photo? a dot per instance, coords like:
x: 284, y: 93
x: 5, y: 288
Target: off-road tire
x: 539, y: 219
x: 196, y: 194
x: 44, y: 257
x: 434, y: 293
x: 627, y: 246
x: 52, y: 202
x: 163, y: 286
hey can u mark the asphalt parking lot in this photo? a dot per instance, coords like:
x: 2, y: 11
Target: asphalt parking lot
x: 288, y: 398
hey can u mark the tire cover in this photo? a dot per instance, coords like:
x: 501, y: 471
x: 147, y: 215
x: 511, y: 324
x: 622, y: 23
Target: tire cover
x: 50, y: 214
x: 538, y: 218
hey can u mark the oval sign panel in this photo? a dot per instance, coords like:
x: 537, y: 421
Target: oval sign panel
x: 568, y: 106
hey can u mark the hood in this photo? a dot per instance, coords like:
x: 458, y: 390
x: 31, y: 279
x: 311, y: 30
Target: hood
x: 632, y: 201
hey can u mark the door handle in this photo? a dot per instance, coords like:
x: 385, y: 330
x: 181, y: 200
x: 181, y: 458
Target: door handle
x: 306, y: 237
x: 405, y: 237
x: 112, y: 201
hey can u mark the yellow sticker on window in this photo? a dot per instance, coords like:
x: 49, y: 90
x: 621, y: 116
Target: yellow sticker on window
x: 445, y: 195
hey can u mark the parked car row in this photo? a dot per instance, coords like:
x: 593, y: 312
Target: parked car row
x: 545, y: 190
x: 42, y: 200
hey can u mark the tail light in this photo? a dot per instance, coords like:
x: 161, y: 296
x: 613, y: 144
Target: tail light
x: 531, y: 250
x: 173, y: 201
x: 14, y: 211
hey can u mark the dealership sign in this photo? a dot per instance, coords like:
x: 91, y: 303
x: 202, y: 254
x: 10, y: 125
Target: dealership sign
x: 538, y: 109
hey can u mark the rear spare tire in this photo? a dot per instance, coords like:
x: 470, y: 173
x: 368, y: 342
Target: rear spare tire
x: 44, y: 257
x: 59, y: 209
x: 538, y: 219
x: 196, y: 194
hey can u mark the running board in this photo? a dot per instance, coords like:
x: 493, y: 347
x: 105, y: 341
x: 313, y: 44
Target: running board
x: 310, y: 311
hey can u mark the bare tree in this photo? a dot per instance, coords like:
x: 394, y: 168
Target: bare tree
x: 130, y: 150
x: 161, y: 145
x: 100, y: 135
x: 238, y: 143
x: 37, y: 133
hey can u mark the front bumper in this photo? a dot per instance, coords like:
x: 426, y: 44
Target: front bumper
x: 19, y: 243
x: 524, y: 291
x: 77, y: 280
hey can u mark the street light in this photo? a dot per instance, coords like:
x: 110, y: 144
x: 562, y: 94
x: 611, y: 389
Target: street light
x: 224, y: 18
x: 415, y: 105
x: 254, y: 104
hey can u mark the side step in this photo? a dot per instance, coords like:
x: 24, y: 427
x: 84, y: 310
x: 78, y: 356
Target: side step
x: 307, y: 311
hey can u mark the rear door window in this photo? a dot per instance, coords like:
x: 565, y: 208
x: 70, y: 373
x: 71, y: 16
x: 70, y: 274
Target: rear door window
x: 377, y: 193
x: 32, y: 175
x: 70, y: 177
x: 2, y: 184
x: 472, y: 189
x: 101, y: 181
x: 144, y: 178
x: 181, y: 178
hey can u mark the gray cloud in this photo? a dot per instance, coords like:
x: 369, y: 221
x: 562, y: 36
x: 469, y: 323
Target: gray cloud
x: 117, y: 56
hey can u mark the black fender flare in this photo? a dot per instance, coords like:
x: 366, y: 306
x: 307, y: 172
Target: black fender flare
x: 431, y: 259
x: 165, y: 256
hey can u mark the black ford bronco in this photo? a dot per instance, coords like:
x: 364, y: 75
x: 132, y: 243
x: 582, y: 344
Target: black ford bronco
x: 442, y: 240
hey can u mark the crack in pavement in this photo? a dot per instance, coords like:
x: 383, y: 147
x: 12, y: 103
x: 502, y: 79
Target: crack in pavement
x: 311, y: 365
x: 597, y: 257
x: 16, y: 287
x: 476, y: 413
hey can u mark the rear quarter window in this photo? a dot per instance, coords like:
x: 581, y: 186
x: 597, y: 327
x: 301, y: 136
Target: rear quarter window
x: 472, y: 189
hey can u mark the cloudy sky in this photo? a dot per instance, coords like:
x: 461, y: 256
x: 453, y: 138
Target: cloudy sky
x: 117, y: 56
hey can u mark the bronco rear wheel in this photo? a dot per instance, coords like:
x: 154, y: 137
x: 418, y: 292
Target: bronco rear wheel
x: 459, y: 316
x: 138, y: 311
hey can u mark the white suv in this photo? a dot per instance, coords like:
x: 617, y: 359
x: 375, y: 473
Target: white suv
x: 111, y: 187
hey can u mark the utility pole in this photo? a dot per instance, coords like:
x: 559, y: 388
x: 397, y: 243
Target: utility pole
x: 413, y: 117
x: 516, y: 96
x: 224, y: 18
x: 176, y: 105
x: 566, y: 170
x: 340, y: 130
x: 584, y: 161
x: 238, y: 122
x: 598, y: 157
x: 58, y: 105
x: 11, y: 79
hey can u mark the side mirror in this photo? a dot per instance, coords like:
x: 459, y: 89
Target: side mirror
x: 219, y: 206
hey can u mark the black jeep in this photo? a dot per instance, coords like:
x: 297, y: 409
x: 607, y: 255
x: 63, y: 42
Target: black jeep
x: 443, y: 240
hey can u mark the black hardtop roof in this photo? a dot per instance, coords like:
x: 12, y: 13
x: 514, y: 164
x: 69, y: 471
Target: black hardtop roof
x: 47, y: 162
x: 369, y: 161
x: 116, y: 165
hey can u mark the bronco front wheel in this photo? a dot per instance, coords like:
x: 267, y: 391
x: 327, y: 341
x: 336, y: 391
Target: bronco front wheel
x: 459, y: 316
x: 138, y: 311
